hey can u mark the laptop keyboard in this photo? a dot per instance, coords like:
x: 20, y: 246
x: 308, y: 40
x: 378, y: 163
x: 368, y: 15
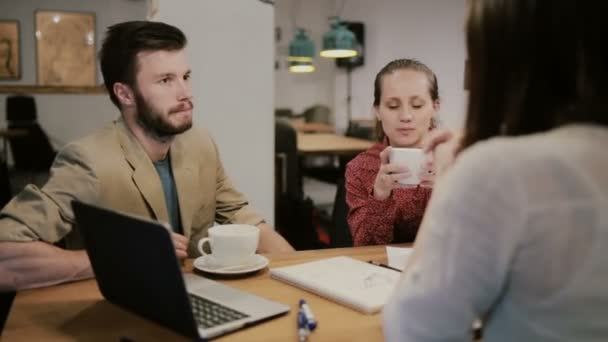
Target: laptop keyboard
x: 209, y: 314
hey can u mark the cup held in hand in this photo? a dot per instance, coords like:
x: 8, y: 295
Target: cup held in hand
x: 413, y: 158
x: 231, y: 244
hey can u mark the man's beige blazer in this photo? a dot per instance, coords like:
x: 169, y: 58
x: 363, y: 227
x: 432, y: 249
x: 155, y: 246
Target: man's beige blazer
x: 111, y: 169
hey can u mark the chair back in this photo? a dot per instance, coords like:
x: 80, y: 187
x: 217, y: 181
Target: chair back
x: 339, y: 234
x: 295, y: 215
x: 5, y: 184
x: 20, y: 108
x: 283, y: 113
x: 6, y: 301
x: 32, y: 151
x: 286, y: 152
x: 317, y: 113
x: 358, y: 131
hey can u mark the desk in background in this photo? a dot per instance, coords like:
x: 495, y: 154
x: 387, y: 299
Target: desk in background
x: 7, y: 133
x: 76, y: 311
x: 312, y: 127
x: 331, y: 144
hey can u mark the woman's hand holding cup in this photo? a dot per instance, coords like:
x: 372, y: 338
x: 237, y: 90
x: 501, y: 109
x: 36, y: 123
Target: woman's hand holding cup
x: 388, y: 176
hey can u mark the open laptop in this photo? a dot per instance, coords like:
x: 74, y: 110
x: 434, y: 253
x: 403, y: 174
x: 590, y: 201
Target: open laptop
x: 136, y: 268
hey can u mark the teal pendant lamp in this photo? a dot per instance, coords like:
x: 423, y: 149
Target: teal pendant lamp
x: 301, y: 67
x: 339, y: 42
x: 301, y: 53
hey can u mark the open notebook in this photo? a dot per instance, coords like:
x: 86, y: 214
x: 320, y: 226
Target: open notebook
x: 347, y: 281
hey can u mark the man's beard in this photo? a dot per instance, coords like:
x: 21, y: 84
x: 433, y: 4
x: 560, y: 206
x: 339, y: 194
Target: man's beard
x: 153, y: 121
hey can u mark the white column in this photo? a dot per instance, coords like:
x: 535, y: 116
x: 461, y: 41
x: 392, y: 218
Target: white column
x: 231, y: 52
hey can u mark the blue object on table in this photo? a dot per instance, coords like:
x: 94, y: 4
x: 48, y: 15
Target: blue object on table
x: 303, y: 331
x: 310, y: 318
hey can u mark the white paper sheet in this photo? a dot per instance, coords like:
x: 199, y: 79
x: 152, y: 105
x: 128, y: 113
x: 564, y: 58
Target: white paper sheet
x: 397, y: 256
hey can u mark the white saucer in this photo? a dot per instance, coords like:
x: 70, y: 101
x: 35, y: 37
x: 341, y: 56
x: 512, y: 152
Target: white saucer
x: 207, y: 264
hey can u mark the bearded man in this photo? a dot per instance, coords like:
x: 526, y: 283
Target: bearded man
x: 150, y: 163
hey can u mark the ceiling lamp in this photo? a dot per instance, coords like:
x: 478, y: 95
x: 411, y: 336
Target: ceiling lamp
x: 301, y: 48
x: 301, y: 67
x: 339, y: 42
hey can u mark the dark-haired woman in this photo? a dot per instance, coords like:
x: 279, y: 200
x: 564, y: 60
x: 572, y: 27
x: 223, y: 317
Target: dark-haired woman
x: 516, y: 231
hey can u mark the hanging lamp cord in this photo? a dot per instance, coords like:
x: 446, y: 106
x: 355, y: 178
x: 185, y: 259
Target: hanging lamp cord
x: 339, y: 12
x: 295, y: 7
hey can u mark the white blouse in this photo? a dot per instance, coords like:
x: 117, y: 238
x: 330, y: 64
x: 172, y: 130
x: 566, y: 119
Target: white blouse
x: 516, y: 233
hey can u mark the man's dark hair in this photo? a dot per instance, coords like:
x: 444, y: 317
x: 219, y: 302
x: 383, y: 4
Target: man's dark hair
x: 535, y: 65
x: 122, y: 43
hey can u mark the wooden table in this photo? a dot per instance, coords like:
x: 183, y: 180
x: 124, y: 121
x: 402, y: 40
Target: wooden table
x: 77, y: 311
x: 12, y: 132
x: 330, y: 144
x: 313, y: 127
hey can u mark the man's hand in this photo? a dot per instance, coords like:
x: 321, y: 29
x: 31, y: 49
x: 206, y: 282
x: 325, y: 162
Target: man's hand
x: 271, y: 241
x: 181, y: 245
x: 26, y: 265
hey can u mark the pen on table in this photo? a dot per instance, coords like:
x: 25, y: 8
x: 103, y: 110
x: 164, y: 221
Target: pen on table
x: 310, y: 318
x: 303, y: 331
x: 384, y: 265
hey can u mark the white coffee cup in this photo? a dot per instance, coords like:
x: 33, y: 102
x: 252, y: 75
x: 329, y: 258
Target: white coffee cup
x: 231, y: 244
x: 413, y: 158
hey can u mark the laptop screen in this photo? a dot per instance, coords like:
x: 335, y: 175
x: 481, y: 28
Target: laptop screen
x: 136, y: 267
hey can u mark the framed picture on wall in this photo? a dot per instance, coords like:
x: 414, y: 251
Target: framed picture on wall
x: 65, y: 48
x: 10, y: 56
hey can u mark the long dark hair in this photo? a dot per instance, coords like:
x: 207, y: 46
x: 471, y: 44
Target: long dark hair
x: 404, y: 64
x: 535, y: 65
x: 122, y: 43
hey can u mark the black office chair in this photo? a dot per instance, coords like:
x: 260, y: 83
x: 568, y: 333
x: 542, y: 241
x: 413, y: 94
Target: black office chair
x: 283, y: 113
x: 286, y: 152
x: 358, y: 131
x: 5, y: 184
x: 32, y: 151
x: 331, y: 172
x: 294, y: 213
x: 6, y: 301
x: 339, y: 234
x: 317, y: 113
